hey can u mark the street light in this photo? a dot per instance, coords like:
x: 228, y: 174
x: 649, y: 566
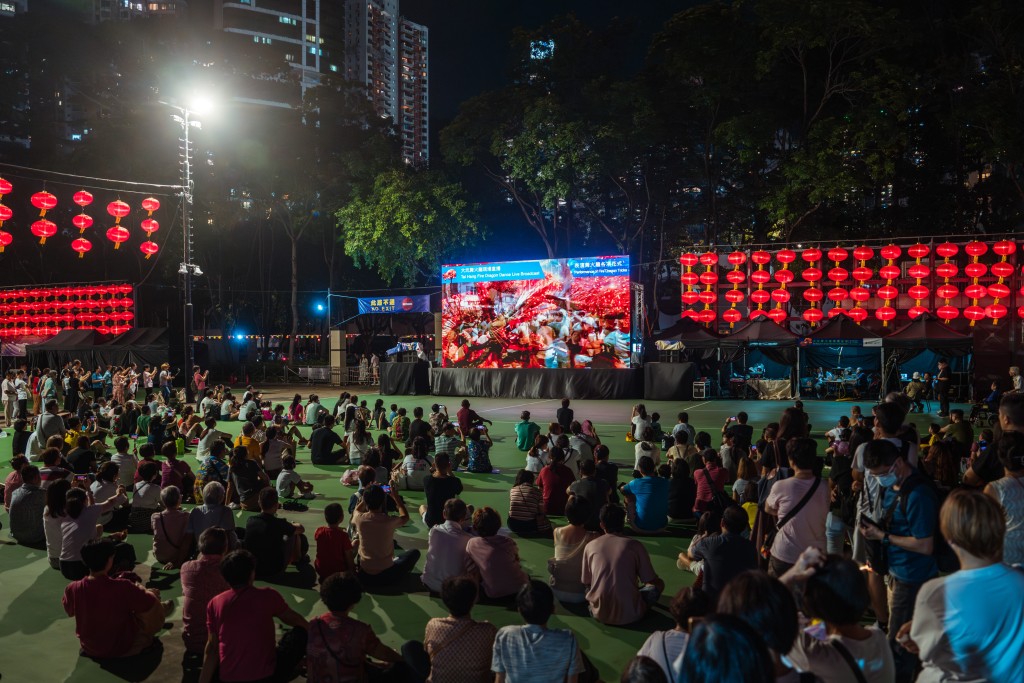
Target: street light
x: 187, y: 269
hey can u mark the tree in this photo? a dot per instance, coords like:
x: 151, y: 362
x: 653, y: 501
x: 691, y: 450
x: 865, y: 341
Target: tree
x: 407, y: 223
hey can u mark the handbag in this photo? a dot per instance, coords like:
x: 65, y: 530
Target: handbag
x: 720, y: 502
x: 769, y: 537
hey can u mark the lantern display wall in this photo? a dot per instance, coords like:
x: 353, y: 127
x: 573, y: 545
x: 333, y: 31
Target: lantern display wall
x: 982, y: 282
x: 45, y: 311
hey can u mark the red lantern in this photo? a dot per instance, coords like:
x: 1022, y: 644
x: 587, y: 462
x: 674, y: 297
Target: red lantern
x: 885, y: 313
x: 707, y: 316
x: 149, y: 225
x: 947, y: 291
x: 761, y: 258
x: 836, y: 311
x: 813, y: 294
x: 707, y: 298
x: 1004, y: 248
x: 737, y: 258
x: 975, y: 291
x: 760, y: 277
x: 688, y: 260
x: 813, y: 315
x: 918, y: 271
x: 863, y: 253
x: 150, y: 204
x: 780, y: 296
x: 998, y: 291
x: 995, y: 311
x: 862, y: 274
x: 786, y: 256
x: 709, y: 278
x: 975, y: 270
x: 976, y: 249
x: 734, y: 296
x: 43, y: 228
x: 689, y: 298
x: 918, y: 251
x: 5, y: 187
x: 689, y: 279
x: 735, y: 276
x: 757, y: 313
x: 5, y: 240
x: 732, y: 316
x: 838, y: 254
x: 784, y: 276
x: 778, y: 315
x: 811, y: 255
x: 760, y: 296
x: 1020, y: 312
x: 860, y: 294
x: 838, y: 274
x: 1002, y: 269
x: 82, y: 198
x: 118, y: 234
x: 811, y: 274
x: 889, y: 272
x: 887, y: 292
x: 838, y: 294
x: 81, y: 245
x: 708, y: 259
x: 44, y: 201
x: 947, y: 250
x: 918, y: 292
x: 81, y: 221
x: 916, y: 311
x: 891, y: 252
x: 974, y: 313
x: 118, y: 210
x: 946, y: 270
x: 5, y: 213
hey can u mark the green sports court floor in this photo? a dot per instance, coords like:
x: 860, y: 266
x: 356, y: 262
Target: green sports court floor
x: 38, y: 643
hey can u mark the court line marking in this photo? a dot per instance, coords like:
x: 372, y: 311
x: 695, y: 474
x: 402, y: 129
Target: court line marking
x: 698, y: 405
x: 517, y: 405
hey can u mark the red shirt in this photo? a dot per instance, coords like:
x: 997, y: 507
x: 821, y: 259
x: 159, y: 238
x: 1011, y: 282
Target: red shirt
x: 201, y: 581
x: 332, y: 544
x: 104, y: 610
x: 705, y: 494
x: 172, y: 474
x: 554, y: 479
x: 243, y: 621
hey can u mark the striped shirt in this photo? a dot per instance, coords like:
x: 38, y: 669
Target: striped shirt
x: 525, y: 502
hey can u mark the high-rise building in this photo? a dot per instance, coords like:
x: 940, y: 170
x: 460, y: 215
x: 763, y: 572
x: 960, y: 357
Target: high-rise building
x: 388, y: 54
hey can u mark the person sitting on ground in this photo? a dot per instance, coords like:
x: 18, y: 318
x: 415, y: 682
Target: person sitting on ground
x: 290, y: 484
x: 400, y: 426
x: 526, y: 432
x: 174, y: 472
x: 315, y: 412
x: 580, y: 442
x: 240, y: 645
x: 646, y: 499
x: 493, y: 559
x: 340, y: 648
x: 468, y: 419
x: 564, y: 415
x: 333, y: 545
x: 127, y: 463
x: 201, y: 581
x: 726, y: 554
x: 768, y: 607
x: 594, y: 490
x: 114, y: 618
x: 572, y: 457
x: 273, y: 451
x: 570, y: 541
x: 274, y: 542
x: 710, y: 479
x: 212, y: 468
x: 746, y: 476
x: 647, y: 446
x: 213, y: 513
x: 246, y: 481
x: 449, y: 443
x: 80, y: 526
x: 54, y: 515
x: 446, y: 546
x: 419, y: 429
x: 478, y: 447
x: 358, y: 442
x: 666, y: 648
x: 621, y: 582
x: 959, y: 429
x: 145, y: 499
x: 682, y: 491
x: 171, y: 543
x: 14, y: 479
x: 533, y: 653
x: 247, y: 440
x: 414, y: 470
x: 1009, y: 493
x: 379, y: 564
x: 683, y: 449
x: 833, y: 590
x: 969, y: 625
x: 554, y: 481
x: 28, y: 503
x: 456, y: 647
x: 438, y: 488
x: 709, y: 524
x: 82, y: 458
x: 325, y: 446
x: 537, y: 456
x: 608, y: 471
x: 526, y: 508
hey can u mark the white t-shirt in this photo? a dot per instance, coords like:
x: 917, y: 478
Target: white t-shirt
x: 286, y: 483
x: 873, y: 655
x: 205, y: 442
x: 639, y: 452
x: 666, y: 649
x: 147, y: 496
x: 535, y: 464
x: 225, y: 409
x: 126, y: 466
x: 52, y: 530
x: 9, y: 392
x: 21, y: 386
x: 77, y: 532
x: 103, y: 491
x: 312, y: 412
x: 275, y: 451
x: 640, y: 425
x: 807, y: 528
x: 356, y: 451
x: 207, y: 403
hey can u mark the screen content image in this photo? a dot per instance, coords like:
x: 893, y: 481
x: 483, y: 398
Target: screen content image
x: 554, y: 313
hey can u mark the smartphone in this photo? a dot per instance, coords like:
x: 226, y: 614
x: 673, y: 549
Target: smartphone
x: 733, y: 417
x: 387, y: 489
x: 81, y: 477
x: 867, y: 521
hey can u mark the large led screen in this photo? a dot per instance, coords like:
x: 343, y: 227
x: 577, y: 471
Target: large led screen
x: 557, y: 313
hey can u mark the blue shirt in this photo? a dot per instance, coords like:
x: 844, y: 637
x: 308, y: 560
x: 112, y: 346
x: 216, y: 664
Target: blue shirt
x: 532, y: 654
x: 916, y: 516
x: 651, y: 495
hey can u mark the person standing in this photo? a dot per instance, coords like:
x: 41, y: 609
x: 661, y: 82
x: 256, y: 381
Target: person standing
x: 22, y: 391
x: 801, y: 504
x: 7, y: 387
x: 942, y: 386
x: 165, y: 379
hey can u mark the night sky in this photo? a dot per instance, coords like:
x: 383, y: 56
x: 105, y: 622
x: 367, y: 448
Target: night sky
x: 469, y: 39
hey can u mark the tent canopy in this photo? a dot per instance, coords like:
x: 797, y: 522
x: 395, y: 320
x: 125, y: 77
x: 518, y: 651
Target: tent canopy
x: 761, y: 332
x: 927, y: 331
x: 841, y: 342
x: 842, y: 331
x: 142, y: 345
x: 692, y: 334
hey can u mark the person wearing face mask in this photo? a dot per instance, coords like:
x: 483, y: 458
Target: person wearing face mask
x: 906, y: 534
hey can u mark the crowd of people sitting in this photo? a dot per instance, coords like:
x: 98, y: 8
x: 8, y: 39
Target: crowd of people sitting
x: 867, y: 572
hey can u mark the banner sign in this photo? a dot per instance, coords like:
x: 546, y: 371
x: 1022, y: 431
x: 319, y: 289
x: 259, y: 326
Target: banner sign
x: 809, y: 341
x: 596, y: 266
x: 395, y: 304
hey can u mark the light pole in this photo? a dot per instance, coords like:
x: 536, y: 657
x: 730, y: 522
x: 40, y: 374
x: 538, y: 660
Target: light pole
x: 187, y: 269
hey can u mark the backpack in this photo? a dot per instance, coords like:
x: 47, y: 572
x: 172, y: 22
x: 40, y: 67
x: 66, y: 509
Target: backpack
x: 943, y: 554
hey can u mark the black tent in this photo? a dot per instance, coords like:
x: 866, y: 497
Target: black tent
x: 142, y: 345
x: 841, y: 342
x: 65, y: 347
x: 763, y: 339
x: 922, y: 340
x: 686, y: 340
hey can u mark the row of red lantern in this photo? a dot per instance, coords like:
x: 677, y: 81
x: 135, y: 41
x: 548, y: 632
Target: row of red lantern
x: 46, y: 292
x: 46, y: 331
x: 994, y: 312
x: 837, y: 255
x: 125, y: 316
x: 82, y: 304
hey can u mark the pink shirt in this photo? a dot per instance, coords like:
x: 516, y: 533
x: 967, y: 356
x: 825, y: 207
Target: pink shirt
x: 496, y: 560
x: 705, y: 494
x: 168, y: 533
x: 243, y: 621
x: 614, y: 567
x: 12, y: 482
x: 201, y: 581
x: 807, y: 528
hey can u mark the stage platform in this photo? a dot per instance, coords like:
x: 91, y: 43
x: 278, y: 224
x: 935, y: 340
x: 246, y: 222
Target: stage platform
x: 537, y: 383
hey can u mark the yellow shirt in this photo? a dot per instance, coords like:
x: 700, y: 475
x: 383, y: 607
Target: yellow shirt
x: 251, y: 445
x: 751, y: 510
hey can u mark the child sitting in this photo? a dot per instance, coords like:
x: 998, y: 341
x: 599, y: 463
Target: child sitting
x: 334, y: 550
x: 289, y: 483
